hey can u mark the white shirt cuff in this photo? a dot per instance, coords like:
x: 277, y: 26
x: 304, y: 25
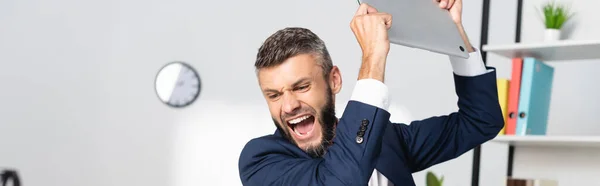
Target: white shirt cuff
x: 472, y: 66
x: 372, y: 92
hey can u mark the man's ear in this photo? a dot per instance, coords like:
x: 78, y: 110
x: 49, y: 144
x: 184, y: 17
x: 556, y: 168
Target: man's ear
x: 335, y: 80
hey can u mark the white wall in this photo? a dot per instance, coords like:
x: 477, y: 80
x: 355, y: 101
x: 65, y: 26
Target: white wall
x: 574, y: 102
x: 79, y: 106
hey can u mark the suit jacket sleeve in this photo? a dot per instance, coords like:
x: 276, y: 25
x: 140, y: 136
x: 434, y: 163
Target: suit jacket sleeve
x: 349, y: 161
x: 427, y: 142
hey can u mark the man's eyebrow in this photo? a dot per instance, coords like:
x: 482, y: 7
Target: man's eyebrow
x: 300, y: 81
x: 271, y: 90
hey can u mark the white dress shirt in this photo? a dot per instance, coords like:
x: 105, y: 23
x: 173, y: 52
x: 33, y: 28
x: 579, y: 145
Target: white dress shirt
x: 375, y: 92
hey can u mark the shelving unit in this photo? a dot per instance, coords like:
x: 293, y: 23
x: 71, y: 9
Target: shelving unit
x: 569, y: 160
x: 554, y: 141
x: 549, y: 51
x: 553, y: 52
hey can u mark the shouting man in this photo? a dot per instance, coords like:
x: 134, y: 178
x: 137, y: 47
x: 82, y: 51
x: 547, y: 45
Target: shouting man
x: 313, y: 147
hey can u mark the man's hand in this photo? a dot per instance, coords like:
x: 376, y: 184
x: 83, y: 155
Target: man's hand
x: 455, y: 9
x: 370, y: 28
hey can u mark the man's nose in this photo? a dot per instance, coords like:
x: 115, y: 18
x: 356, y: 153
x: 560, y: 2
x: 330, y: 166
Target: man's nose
x: 290, y: 103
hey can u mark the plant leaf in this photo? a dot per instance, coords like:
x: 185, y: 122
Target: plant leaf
x: 432, y: 180
x: 555, y: 15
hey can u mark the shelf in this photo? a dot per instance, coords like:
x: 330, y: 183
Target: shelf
x: 549, y: 51
x: 557, y: 141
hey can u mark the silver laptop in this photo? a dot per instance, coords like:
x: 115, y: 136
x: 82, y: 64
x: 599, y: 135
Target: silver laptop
x: 422, y: 24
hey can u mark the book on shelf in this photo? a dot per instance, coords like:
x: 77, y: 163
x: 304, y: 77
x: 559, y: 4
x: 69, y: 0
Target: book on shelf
x: 530, y: 182
x: 529, y: 93
x: 513, y: 96
x: 534, y: 97
x: 503, y: 85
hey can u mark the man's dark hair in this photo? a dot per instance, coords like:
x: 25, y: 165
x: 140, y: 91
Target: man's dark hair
x: 289, y: 42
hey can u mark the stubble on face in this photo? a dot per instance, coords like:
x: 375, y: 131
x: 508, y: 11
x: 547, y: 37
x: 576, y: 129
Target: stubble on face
x: 326, y: 118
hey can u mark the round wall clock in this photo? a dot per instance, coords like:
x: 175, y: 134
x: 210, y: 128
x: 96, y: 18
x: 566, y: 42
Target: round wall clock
x: 177, y: 84
x: 10, y: 178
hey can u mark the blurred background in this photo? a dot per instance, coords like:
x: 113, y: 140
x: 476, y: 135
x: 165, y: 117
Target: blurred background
x: 79, y: 106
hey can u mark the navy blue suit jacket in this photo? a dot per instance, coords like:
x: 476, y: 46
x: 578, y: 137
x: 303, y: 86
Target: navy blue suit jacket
x: 395, y: 150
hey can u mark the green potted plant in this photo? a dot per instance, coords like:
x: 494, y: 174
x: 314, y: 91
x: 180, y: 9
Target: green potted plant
x: 555, y: 16
x: 432, y: 179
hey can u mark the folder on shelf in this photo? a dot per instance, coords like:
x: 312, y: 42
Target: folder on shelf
x: 543, y: 182
x: 534, y: 97
x: 503, y: 100
x: 530, y: 182
x: 513, y: 96
x: 516, y: 182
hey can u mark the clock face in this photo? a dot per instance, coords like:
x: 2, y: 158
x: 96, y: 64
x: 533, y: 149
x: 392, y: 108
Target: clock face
x: 9, y: 178
x: 177, y: 84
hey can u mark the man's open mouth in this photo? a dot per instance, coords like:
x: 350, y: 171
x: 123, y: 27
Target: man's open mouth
x: 302, y: 125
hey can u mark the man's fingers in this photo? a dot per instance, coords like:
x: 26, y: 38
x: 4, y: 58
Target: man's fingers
x: 443, y: 3
x: 362, y: 9
x: 381, y: 17
x: 387, y: 19
x: 365, y: 8
x: 450, y: 3
x: 371, y: 9
x: 366, y: 12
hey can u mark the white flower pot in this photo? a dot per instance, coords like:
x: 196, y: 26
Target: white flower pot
x: 552, y: 34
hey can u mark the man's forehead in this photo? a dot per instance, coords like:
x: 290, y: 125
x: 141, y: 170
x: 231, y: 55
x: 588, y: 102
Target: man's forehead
x: 285, y: 80
x: 290, y: 71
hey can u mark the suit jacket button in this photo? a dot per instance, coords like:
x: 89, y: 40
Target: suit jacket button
x: 363, y: 128
x: 365, y: 122
x: 360, y: 133
x: 359, y: 139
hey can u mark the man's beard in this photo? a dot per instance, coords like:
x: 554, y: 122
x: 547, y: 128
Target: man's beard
x: 327, y: 120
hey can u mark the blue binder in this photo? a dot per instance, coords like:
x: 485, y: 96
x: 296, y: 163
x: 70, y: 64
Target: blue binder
x: 534, y: 98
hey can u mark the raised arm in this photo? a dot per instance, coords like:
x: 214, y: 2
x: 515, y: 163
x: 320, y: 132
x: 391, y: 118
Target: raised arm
x: 352, y: 157
x: 479, y: 118
x: 441, y: 138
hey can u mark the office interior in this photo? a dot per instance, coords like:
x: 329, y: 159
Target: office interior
x: 81, y: 107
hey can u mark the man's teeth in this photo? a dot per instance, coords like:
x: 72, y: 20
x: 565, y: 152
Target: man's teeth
x: 298, y: 120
